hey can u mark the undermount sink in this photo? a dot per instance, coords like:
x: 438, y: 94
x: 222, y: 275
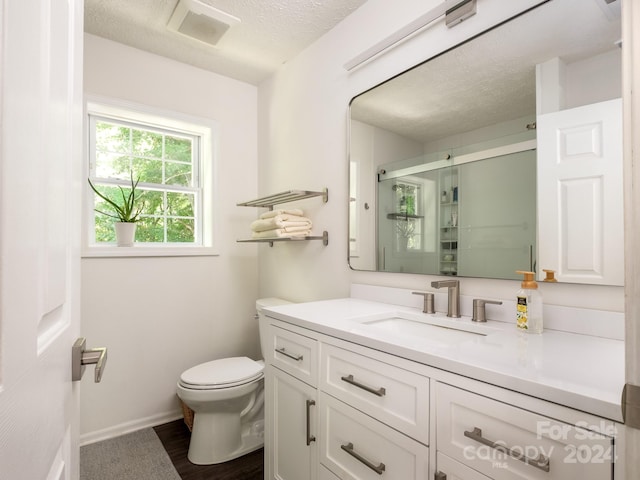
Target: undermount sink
x: 433, y: 330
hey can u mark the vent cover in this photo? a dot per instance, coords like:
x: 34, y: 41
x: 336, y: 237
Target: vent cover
x: 202, y: 22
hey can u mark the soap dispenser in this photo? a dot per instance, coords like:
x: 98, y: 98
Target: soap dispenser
x: 529, y: 305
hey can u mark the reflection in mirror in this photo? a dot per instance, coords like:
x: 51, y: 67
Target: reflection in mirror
x: 445, y: 167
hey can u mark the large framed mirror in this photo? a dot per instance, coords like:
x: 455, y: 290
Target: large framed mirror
x: 457, y: 166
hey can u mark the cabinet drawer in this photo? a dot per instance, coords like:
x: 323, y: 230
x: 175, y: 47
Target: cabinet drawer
x: 449, y: 469
x: 506, y: 442
x: 395, y: 396
x: 356, y: 447
x: 325, y: 474
x: 294, y: 354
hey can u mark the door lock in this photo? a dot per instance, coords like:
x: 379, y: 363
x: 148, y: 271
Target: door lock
x: 80, y: 357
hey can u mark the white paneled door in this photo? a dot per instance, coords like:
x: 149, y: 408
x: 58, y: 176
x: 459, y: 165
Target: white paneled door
x: 40, y: 154
x: 580, y: 201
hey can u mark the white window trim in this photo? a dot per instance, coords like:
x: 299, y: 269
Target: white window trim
x: 206, y: 128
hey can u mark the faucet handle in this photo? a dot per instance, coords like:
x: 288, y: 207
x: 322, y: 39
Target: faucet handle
x: 479, y: 313
x: 428, y: 306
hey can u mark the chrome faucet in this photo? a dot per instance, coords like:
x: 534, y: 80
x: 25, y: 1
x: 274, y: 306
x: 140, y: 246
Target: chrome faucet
x: 453, y: 305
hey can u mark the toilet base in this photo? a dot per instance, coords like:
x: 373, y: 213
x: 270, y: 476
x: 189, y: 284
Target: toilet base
x: 252, y: 439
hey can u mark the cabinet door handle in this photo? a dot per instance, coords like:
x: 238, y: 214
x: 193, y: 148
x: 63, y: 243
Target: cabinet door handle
x: 376, y: 468
x: 297, y: 358
x: 541, y: 462
x: 310, y: 438
x: 380, y: 392
x: 440, y: 476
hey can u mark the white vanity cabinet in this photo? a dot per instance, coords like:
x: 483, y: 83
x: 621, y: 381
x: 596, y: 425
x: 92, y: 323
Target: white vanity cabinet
x: 368, y: 418
x: 291, y: 406
x: 341, y: 408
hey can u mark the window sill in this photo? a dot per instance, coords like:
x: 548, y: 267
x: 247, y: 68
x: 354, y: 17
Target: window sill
x: 112, y: 251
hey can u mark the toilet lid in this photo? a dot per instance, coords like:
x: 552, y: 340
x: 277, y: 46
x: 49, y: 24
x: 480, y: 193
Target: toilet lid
x: 225, y: 372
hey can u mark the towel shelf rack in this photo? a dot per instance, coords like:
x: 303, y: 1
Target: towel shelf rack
x: 324, y: 237
x: 285, y: 197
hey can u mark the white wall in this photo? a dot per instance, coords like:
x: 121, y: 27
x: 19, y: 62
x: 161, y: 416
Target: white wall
x: 303, y: 144
x: 159, y: 316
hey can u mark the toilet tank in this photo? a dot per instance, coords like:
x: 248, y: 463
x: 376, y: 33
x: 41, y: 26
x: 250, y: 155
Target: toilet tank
x: 262, y: 323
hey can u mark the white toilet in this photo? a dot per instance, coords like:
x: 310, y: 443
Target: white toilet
x: 227, y: 397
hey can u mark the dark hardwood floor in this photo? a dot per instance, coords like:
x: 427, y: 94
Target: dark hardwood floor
x: 175, y: 438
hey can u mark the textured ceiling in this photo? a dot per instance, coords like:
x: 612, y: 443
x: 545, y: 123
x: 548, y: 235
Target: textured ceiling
x: 271, y: 32
x: 491, y: 79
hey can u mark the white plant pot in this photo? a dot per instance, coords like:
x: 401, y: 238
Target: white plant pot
x: 125, y: 233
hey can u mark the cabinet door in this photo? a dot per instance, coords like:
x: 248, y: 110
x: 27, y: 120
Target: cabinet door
x: 292, y: 426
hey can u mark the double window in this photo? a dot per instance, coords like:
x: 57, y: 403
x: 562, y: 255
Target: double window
x: 170, y: 162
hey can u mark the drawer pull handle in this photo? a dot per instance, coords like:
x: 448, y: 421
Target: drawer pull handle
x: 440, y: 476
x: 381, y: 392
x: 297, y: 358
x: 379, y: 469
x: 542, y: 462
x: 310, y: 438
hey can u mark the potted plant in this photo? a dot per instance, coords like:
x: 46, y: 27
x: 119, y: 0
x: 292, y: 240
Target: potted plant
x: 125, y: 212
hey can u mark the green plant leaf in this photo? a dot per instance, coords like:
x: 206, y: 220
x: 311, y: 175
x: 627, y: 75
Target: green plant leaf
x: 127, y: 211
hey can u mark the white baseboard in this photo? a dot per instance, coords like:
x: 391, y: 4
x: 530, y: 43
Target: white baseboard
x: 128, y: 427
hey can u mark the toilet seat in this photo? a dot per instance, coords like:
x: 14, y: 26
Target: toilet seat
x: 222, y: 373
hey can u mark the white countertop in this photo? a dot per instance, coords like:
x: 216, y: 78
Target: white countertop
x: 579, y: 371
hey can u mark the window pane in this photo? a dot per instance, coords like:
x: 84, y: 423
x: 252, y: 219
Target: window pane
x: 112, y: 165
x: 147, y: 171
x: 178, y: 149
x: 105, y: 231
x: 178, y: 174
x: 180, y: 230
x: 152, y: 202
x: 147, y: 144
x: 150, y: 229
x: 112, y: 138
x: 180, y: 204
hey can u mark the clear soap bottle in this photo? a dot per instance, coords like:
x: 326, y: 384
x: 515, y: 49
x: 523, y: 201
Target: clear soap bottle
x: 529, y: 305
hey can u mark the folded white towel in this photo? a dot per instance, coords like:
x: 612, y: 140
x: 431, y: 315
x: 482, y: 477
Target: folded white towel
x: 281, y: 221
x: 292, y: 211
x: 278, y: 233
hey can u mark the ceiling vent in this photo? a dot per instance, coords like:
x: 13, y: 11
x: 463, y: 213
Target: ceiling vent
x: 200, y: 21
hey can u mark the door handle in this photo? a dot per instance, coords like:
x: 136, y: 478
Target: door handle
x: 310, y: 438
x: 80, y: 357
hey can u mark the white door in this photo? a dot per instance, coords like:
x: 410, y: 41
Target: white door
x: 40, y: 154
x: 580, y: 202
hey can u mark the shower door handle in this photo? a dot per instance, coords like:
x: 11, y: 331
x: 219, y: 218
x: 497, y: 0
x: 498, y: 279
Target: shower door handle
x: 80, y: 357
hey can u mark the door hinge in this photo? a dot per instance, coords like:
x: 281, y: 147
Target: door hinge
x: 631, y: 405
